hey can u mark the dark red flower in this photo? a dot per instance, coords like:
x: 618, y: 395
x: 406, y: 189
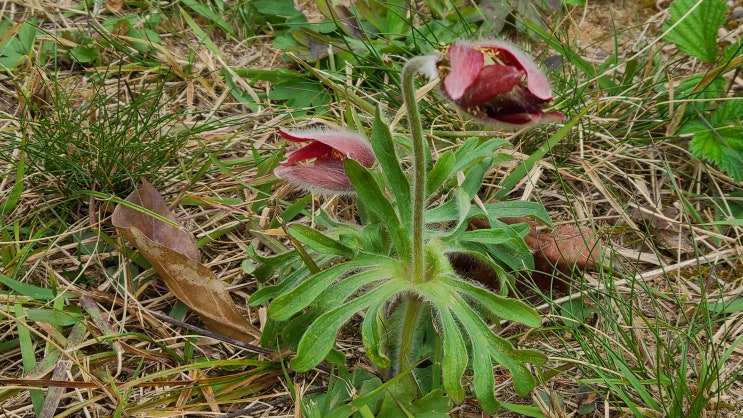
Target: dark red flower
x: 328, y: 148
x: 497, y: 83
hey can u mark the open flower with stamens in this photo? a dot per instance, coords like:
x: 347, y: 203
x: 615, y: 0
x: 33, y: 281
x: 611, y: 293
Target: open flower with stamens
x: 327, y: 149
x: 496, y: 83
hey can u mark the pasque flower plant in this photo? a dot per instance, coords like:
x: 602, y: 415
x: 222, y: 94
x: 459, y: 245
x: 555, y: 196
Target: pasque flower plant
x: 395, y: 267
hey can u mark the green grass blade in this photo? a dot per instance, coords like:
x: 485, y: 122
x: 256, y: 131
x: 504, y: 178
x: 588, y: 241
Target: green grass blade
x: 34, y: 292
x: 27, y: 354
x: 204, y: 11
x: 203, y: 36
x: 10, y: 203
x: 523, y: 169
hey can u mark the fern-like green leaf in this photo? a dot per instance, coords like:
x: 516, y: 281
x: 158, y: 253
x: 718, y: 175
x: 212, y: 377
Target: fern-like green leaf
x: 503, y: 307
x: 454, y: 361
x: 320, y: 336
x: 296, y: 299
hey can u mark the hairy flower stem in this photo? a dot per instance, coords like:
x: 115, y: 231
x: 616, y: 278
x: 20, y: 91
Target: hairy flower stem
x: 413, y: 307
x: 412, y: 304
x: 419, y: 165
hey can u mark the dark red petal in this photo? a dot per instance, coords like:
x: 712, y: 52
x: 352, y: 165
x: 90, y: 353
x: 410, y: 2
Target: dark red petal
x: 536, y: 80
x: 493, y: 80
x: 348, y: 144
x: 296, y: 136
x: 325, y: 176
x: 466, y: 63
x: 312, y: 150
x: 521, y: 120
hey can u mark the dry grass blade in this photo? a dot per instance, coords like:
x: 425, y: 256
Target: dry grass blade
x: 656, y: 325
x: 92, y: 308
x: 54, y: 394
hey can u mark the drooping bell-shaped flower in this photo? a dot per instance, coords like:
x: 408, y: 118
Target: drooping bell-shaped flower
x: 496, y: 83
x: 328, y: 149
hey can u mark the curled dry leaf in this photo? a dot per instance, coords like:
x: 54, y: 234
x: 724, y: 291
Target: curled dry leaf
x: 565, y: 249
x: 666, y: 228
x: 114, y: 5
x: 173, y: 254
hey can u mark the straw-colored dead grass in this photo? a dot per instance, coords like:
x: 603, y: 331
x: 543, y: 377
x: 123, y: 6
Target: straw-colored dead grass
x: 607, y: 181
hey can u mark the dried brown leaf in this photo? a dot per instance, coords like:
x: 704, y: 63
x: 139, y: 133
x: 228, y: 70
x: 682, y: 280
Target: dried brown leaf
x: 114, y: 5
x: 665, y: 228
x: 173, y: 254
x: 567, y: 246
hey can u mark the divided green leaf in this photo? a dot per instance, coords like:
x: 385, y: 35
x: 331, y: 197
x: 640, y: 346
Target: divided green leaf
x: 319, y: 241
x: 320, y: 336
